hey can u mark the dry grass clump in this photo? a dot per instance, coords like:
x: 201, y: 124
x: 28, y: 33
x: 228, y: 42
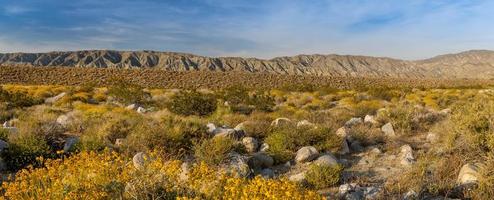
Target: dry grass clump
x: 323, y: 176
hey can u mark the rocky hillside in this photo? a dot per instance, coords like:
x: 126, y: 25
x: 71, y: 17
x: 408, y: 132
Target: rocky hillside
x: 470, y: 64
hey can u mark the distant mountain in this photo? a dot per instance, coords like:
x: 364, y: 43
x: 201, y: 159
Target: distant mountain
x: 469, y: 64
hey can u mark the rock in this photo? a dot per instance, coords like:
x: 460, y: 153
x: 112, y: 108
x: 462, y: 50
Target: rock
x: 240, y: 127
x: 432, y: 137
x: 344, y: 149
x: 406, y: 155
x: 211, y: 127
x: 141, y: 110
x: 281, y: 122
x: 298, y: 178
x: 305, y: 123
x: 260, y: 160
x: 139, y: 160
x: 250, y: 144
x: 184, y: 171
x: 227, y: 132
x: 446, y: 111
x: 306, y: 154
x: 357, y: 195
x: 371, y: 192
x: 69, y: 144
x: 6, y: 124
x: 346, y: 188
x: 388, y: 130
x: 264, y: 147
x: 66, y: 119
x: 369, y: 119
x: 119, y: 142
x: 353, y: 121
x: 132, y: 106
x: 375, y: 150
x: 237, y: 165
x: 55, y: 98
x: 267, y: 173
x: 410, y: 195
x: 469, y: 174
x: 356, y: 146
x: 3, y: 145
x: 342, y: 132
x: 326, y: 160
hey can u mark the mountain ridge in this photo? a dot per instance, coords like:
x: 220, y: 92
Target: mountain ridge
x: 475, y: 64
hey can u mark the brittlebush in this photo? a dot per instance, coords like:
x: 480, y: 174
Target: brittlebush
x: 107, y: 175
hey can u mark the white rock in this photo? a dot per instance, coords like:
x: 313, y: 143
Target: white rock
x: 306, y: 154
x: 281, y: 122
x: 119, y: 142
x: 300, y: 177
x: 238, y: 165
x: 55, y: 98
x: 211, y: 127
x: 342, y: 132
x: 227, y: 132
x: 141, y: 110
x: 6, y: 124
x: 250, y: 144
x: 347, y: 188
x: 139, y: 160
x: 410, y: 195
x: 406, y: 155
x: 264, y: 147
x: 353, y: 121
x: 132, y: 107
x: 469, y: 174
x: 388, y: 130
x: 370, y: 119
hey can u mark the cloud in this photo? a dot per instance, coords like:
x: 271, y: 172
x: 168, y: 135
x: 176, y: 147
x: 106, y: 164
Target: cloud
x: 16, y: 9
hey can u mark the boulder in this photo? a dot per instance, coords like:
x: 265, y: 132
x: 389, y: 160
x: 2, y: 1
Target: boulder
x: 326, y: 160
x: 237, y: 165
x: 354, y: 121
x: 133, y: 106
x: 70, y: 143
x: 347, y: 188
x: 267, y: 173
x: 55, y: 98
x: 306, y: 154
x: 250, y: 144
x: 356, y: 146
x: 406, y: 155
x: 344, y: 149
x: 388, y: 130
x: 342, y: 132
x: 370, y: 119
x: 260, y: 160
x: 139, y: 160
x: 469, y: 174
x: 281, y: 122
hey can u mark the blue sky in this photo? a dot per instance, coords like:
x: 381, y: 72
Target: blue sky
x: 411, y: 29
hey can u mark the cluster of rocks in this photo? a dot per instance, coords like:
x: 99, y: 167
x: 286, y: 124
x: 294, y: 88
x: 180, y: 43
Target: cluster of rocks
x: 138, y: 108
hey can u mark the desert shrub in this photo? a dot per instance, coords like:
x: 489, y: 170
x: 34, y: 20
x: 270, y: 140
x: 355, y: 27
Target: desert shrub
x: 82, y: 177
x: 192, y: 103
x: 262, y: 102
x: 241, y: 101
x: 127, y: 92
x: 366, y: 107
x: 486, y: 179
x: 258, y: 128
x: 323, y: 176
x: 213, y: 151
x: 24, y: 149
x: 367, y: 135
x: 18, y: 99
x: 382, y: 92
x: 402, y: 117
x: 283, y: 142
x: 235, y: 95
x: 171, y: 135
x: 4, y: 134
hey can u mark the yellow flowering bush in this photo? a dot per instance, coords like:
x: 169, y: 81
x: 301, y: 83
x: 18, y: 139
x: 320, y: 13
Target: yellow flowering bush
x: 108, y: 175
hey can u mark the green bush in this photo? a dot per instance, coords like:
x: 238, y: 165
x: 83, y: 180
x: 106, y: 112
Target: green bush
x: 126, y: 92
x: 213, y: 151
x: 280, y: 147
x: 18, y: 99
x: 262, y: 102
x: 24, y: 150
x: 192, y: 103
x: 323, y: 176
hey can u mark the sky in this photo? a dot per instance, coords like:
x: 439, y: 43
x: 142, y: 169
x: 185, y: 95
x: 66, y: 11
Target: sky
x: 406, y: 29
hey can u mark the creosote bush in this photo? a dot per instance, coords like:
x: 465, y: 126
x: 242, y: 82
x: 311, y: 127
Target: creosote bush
x: 127, y: 92
x: 214, y: 151
x: 322, y: 176
x: 192, y: 103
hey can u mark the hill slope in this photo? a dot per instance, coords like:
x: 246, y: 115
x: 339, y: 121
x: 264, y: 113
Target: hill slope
x: 470, y: 64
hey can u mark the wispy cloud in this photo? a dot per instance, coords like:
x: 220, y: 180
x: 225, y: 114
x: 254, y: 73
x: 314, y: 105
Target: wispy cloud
x: 260, y: 28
